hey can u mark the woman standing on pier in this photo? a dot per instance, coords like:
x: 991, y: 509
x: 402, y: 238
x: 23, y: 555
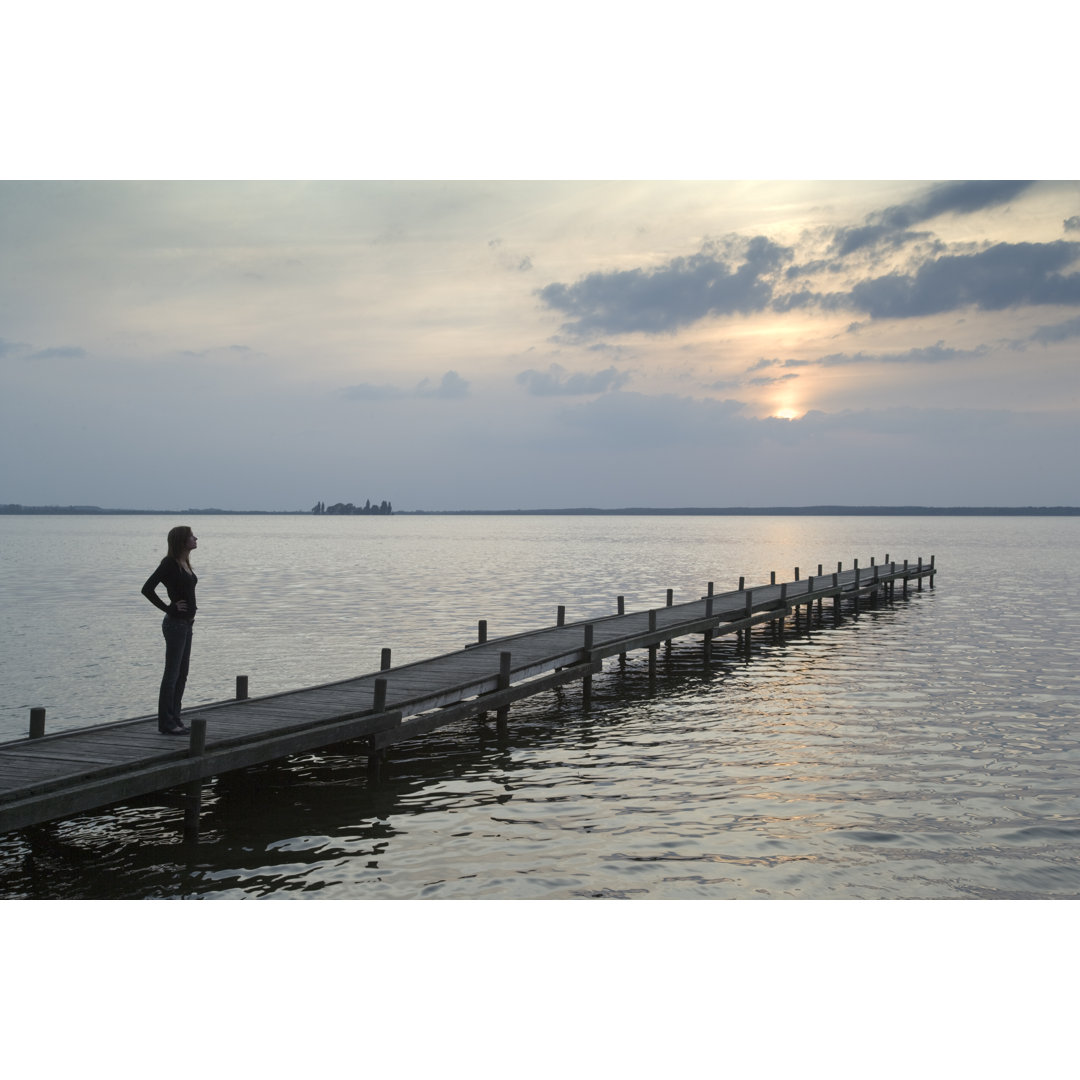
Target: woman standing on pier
x: 175, y: 573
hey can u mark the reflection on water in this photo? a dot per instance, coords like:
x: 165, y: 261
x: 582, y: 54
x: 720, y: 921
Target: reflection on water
x: 926, y: 749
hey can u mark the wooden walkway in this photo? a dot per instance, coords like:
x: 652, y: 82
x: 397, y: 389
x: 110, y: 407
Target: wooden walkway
x: 45, y: 777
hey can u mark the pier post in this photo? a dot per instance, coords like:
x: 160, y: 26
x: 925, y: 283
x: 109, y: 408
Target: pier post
x: 241, y: 687
x: 384, y: 660
x: 560, y: 615
x: 836, y: 599
x: 742, y: 584
x: 772, y: 577
x: 378, y: 705
x: 670, y: 603
x: 707, y: 645
x: 377, y: 758
x: 932, y: 557
x: 749, y: 612
x: 920, y: 574
x: 856, y: 586
x: 621, y: 609
x: 586, y: 683
x: 504, y: 684
x: 778, y: 624
x: 37, y: 722
x: 193, y: 800
x: 652, y: 646
x: 481, y: 632
x: 903, y: 591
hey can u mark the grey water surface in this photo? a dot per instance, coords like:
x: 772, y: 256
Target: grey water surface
x: 926, y: 749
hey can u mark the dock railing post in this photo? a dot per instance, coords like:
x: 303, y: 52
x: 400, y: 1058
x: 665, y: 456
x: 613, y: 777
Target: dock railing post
x: 652, y: 645
x: 37, y: 722
x: 241, y: 687
x: 621, y: 610
x: 708, y: 629
x: 384, y: 660
x: 778, y: 624
x: 920, y: 574
x: 193, y: 801
x: 903, y: 591
x: 932, y: 557
x: 560, y: 615
x: 836, y: 599
x: 670, y: 603
x: 481, y: 632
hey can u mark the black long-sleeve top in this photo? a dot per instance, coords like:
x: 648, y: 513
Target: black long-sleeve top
x: 179, y: 584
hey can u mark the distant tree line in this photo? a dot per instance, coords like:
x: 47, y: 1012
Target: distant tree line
x: 348, y: 508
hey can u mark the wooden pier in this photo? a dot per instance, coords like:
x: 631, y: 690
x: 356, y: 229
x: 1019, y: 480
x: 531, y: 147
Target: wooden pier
x: 45, y: 777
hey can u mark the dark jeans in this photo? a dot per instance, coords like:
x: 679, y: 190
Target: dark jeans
x: 177, y: 656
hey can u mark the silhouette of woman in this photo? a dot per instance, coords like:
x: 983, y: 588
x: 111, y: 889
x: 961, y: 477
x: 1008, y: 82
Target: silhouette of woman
x: 175, y: 573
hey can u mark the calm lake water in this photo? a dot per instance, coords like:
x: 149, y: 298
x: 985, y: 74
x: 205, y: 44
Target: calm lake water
x: 926, y: 749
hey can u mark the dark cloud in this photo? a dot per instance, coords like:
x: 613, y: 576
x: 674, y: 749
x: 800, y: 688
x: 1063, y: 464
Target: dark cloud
x: 1072, y: 224
x: 1002, y: 276
x: 1046, y: 335
x: 933, y: 354
x: 63, y: 353
x: 557, y: 381
x: 685, y: 290
x: 452, y: 385
x: 771, y: 380
x: 893, y: 225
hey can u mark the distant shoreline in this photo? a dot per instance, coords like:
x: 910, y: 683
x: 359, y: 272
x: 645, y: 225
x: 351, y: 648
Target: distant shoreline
x: 635, y: 511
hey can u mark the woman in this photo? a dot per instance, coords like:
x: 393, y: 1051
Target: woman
x: 175, y: 573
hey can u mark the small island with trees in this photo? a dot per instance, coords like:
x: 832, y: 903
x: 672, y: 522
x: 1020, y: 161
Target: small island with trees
x: 348, y: 508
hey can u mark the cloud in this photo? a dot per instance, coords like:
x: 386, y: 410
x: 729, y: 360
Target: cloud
x: 1072, y: 224
x: 892, y: 226
x: 679, y: 293
x: 1046, y: 335
x: 933, y: 354
x: 63, y: 353
x: 1002, y: 276
x: 452, y: 385
x: 557, y: 381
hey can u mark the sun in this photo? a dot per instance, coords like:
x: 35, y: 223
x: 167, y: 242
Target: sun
x: 786, y: 413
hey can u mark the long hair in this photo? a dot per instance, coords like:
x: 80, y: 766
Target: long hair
x: 178, y: 537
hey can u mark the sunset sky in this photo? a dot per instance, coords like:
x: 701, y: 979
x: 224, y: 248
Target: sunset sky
x: 453, y: 342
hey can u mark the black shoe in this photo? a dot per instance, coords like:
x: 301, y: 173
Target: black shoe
x: 172, y: 727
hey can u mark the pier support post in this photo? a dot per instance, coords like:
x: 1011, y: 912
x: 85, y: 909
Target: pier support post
x: 37, y: 722
x: 241, y: 687
x: 932, y: 557
x: 503, y: 711
x: 375, y: 762
x: 920, y: 574
x: 652, y: 647
x: 749, y: 612
x: 903, y: 591
x: 836, y: 599
x: 481, y: 632
x: 670, y: 603
x: 621, y: 607
x: 384, y: 660
x: 586, y: 682
x: 560, y: 615
x: 778, y: 624
x: 193, y: 800
x: 707, y: 644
